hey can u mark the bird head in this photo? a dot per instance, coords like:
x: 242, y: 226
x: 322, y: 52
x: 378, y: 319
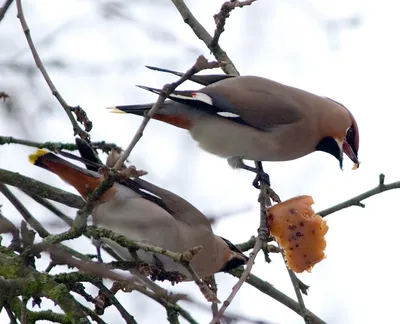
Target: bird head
x: 345, y: 138
x: 233, y: 258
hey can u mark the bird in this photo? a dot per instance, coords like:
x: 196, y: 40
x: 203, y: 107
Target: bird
x: 254, y: 118
x: 144, y: 212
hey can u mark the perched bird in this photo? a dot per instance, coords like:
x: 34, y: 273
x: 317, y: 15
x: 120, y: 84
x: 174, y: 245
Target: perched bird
x: 144, y: 212
x: 253, y: 118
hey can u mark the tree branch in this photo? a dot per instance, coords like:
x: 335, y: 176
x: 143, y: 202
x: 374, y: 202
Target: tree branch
x: 228, y: 67
x: 220, y: 18
x: 29, y: 282
x: 55, y: 146
x: 263, y: 235
x: 268, y: 289
x: 67, y: 108
x: 4, y: 8
x: 356, y: 201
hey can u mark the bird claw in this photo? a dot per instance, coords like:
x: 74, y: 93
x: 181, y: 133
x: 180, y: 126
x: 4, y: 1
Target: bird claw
x: 262, y: 176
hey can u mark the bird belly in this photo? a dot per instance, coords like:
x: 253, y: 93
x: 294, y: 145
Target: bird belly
x: 141, y: 221
x: 228, y: 139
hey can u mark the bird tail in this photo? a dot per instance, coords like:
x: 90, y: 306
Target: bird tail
x: 88, y: 155
x: 84, y: 181
x: 139, y: 110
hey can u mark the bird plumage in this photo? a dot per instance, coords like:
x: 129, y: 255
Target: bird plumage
x: 147, y: 213
x: 249, y: 117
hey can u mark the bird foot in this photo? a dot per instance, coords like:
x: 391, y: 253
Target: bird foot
x: 261, y: 176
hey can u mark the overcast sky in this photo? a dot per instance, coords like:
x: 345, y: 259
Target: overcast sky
x: 309, y: 45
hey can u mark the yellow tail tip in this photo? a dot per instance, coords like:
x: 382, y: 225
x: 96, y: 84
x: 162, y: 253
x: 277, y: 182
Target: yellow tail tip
x: 115, y: 110
x: 33, y: 157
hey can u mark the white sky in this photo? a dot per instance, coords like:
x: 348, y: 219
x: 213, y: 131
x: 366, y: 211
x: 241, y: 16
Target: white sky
x: 286, y: 41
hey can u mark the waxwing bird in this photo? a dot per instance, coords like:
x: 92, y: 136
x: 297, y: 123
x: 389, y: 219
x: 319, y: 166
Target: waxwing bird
x: 142, y: 211
x: 253, y: 118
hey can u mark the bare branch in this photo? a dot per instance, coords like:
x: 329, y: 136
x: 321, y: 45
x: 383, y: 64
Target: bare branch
x: 56, y: 146
x: 67, y: 108
x: 356, y: 201
x: 228, y: 67
x: 4, y: 8
x: 183, y: 258
x: 263, y: 235
x: 268, y: 289
x: 201, y: 64
x: 295, y: 283
x: 220, y: 18
x: 23, y: 211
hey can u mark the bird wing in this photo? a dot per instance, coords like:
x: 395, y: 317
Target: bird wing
x: 178, y: 207
x: 250, y: 101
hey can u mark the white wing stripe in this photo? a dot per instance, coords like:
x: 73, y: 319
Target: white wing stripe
x: 227, y: 114
x: 198, y: 96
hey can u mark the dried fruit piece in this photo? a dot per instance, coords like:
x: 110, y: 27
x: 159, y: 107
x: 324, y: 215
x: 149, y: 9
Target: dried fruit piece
x: 299, y: 232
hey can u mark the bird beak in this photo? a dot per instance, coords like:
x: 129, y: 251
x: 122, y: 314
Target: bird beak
x: 348, y: 150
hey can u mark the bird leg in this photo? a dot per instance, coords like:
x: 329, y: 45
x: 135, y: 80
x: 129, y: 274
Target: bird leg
x: 237, y: 163
x: 261, y: 175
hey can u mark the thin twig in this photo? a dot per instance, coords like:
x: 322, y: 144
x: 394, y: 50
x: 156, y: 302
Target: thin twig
x: 55, y: 146
x: 228, y: 67
x: 66, y: 219
x: 4, y: 8
x: 356, y: 201
x: 300, y: 300
x: 31, y: 220
x: 268, y: 289
x: 238, y: 285
x: 129, y: 319
x: 201, y: 64
x: 24, y: 314
x: 220, y: 18
x: 10, y: 314
x: 263, y: 234
x: 183, y: 258
x: 67, y: 108
x: 23, y: 211
x: 213, y: 286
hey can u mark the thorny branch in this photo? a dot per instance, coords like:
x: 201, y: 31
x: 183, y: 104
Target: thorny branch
x: 200, y: 65
x: 81, y: 115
